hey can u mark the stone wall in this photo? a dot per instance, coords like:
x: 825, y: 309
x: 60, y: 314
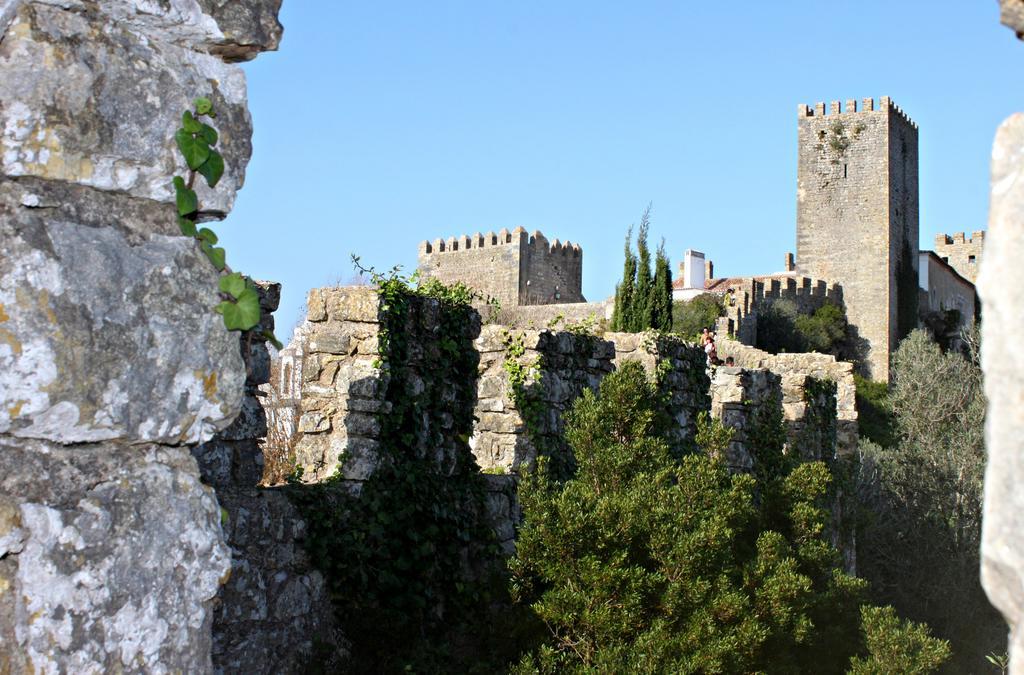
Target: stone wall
x: 739, y: 398
x: 963, y: 255
x: 558, y: 367
x: 857, y: 210
x: 681, y: 368
x: 274, y: 603
x: 111, y: 361
x: 515, y: 268
x: 745, y: 296
x: 557, y: 316
x: 795, y: 371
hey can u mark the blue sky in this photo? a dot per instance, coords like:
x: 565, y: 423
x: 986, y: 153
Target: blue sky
x: 380, y: 124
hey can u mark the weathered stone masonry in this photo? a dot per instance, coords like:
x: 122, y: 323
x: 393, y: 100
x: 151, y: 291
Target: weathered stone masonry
x: 111, y: 361
x: 513, y: 267
x: 857, y: 215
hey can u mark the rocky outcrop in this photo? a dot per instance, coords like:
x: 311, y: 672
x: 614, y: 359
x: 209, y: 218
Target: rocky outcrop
x: 112, y: 361
x: 1002, y: 547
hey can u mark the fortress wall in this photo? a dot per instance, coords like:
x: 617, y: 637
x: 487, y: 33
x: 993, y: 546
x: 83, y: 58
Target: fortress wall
x: 798, y: 373
x: 743, y: 300
x: 856, y: 210
x: 553, y: 272
x: 274, y: 602
x: 738, y: 399
x: 560, y: 315
x: 682, y: 370
x: 493, y: 263
x: 560, y: 367
x: 962, y: 254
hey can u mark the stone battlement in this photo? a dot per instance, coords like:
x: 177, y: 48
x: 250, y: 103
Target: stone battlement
x: 850, y: 108
x: 516, y: 268
x: 961, y: 253
x: 501, y: 238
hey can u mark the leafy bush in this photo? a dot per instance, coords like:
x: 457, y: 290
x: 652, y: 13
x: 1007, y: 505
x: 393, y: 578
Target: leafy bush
x: 689, y: 316
x: 643, y: 563
x: 782, y: 328
x: 919, y: 546
x: 875, y: 418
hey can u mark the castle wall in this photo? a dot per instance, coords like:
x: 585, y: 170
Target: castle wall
x: 744, y: 296
x: 738, y: 399
x: 963, y: 255
x: 492, y: 264
x: 274, y: 601
x: 943, y: 289
x: 796, y: 372
x: 515, y: 268
x: 552, y: 273
x: 856, y: 209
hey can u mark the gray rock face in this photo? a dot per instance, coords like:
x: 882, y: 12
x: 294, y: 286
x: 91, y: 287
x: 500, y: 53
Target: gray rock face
x: 108, y: 556
x: 1002, y: 547
x: 106, y: 333
x: 85, y: 99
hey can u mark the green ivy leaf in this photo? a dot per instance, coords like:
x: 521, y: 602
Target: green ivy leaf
x: 216, y: 255
x: 233, y: 284
x: 242, y: 314
x: 193, y: 149
x: 187, y: 225
x: 207, y: 235
x: 208, y: 134
x: 185, y: 198
x: 190, y: 124
x: 203, y: 106
x: 213, y: 168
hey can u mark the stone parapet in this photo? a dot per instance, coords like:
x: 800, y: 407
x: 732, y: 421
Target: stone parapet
x: 799, y: 373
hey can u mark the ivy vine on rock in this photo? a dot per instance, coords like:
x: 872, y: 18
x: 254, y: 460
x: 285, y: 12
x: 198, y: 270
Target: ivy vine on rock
x: 240, y: 303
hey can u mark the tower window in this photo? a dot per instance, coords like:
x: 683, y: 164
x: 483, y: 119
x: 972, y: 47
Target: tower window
x: 844, y: 171
x: 972, y: 259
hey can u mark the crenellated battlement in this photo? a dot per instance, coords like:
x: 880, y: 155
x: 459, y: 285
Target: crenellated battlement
x: 867, y: 105
x: 516, y: 268
x: 478, y: 240
x: 961, y: 253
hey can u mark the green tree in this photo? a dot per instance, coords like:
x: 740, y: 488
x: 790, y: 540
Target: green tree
x: 644, y: 563
x: 643, y: 300
x: 919, y: 543
x: 642, y: 319
x: 661, y: 291
x: 625, y: 291
x: 689, y: 316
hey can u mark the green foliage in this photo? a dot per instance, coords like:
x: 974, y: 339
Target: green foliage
x: 645, y: 563
x: 921, y: 498
x: 782, y: 328
x: 897, y: 646
x: 823, y: 330
x: 875, y: 418
x: 240, y: 303
x: 642, y: 301
x: 661, y: 291
x: 690, y: 316
x: 394, y: 553
x: 625, y: 290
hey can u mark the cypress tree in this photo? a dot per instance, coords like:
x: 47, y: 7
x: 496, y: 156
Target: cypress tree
x: 661, y: 291
x: 625, y: 291
x: 642, y: 319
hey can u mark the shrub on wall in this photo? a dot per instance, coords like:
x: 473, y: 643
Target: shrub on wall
x: 645, y: 563
x: 689, y: 316
x: 782, y: 328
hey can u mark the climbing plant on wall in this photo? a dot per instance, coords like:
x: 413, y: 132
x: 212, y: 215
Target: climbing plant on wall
x: 195, y: 139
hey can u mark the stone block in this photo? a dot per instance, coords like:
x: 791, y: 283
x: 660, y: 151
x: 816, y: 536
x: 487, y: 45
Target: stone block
x: 104, y: 110
x: 168, y: 371
x: 122, y: 542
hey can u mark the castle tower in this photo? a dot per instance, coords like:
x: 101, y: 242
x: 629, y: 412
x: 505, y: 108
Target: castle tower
x: 857, y: 217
